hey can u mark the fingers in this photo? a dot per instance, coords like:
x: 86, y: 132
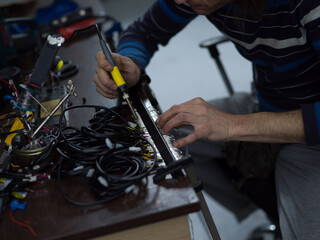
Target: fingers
x: 199, y: 124
x: 185, y: 140
x: 104, y: 84
x: 193, y: 113
x: 103, y: 62
x: 181, y: 113
x: 130, y: 70
x: 104, y: 91
x: 176, y: 121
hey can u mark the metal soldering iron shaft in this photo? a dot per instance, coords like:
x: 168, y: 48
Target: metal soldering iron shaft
x: 131, y: 108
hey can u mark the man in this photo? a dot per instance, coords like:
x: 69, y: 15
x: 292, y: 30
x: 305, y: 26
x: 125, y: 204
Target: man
x: 282, y: 40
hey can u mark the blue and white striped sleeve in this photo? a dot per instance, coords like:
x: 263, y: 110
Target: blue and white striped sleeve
x: 162, y: 21
x: 309, y: 12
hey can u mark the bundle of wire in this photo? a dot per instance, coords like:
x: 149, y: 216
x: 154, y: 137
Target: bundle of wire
x: 110, y: 152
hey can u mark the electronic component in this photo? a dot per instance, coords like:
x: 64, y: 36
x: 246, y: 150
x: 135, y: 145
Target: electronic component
x: 25, y: 102
x: 25, y: 150
x: 28, y: 146
x: 169, y: 139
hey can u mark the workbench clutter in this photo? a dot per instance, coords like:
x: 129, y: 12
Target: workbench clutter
x: 67, y: 163
x: 21, y: 38
x: 65, y: 17
x: 110, y: 155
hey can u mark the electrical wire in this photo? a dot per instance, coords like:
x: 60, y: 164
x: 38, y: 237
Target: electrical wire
x: 22, y: 224
x: 103, y: 149
x: 11, y: 86
x: 89, y: 28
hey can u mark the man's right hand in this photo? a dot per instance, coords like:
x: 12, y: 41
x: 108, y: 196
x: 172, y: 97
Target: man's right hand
x: 105, y: 85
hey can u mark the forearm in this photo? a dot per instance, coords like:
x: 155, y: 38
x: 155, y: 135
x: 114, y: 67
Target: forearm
x: 285, y: 127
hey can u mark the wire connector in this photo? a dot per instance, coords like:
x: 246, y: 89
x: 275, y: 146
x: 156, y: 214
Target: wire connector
x: 125, y: 96
x: 134, y: 149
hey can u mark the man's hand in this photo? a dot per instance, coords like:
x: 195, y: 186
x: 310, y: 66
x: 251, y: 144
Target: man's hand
x: 215, y: 125
x: 105, y: 85
x: 208, y: 122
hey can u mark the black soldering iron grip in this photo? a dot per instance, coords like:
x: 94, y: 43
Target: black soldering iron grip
x: 107, y: 52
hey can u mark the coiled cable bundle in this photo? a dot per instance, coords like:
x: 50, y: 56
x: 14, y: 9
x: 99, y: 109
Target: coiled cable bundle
x: 110, y: 152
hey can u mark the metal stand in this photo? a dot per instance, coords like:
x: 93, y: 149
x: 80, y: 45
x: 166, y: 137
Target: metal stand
x: 203, y: 205
x: 212, y: 45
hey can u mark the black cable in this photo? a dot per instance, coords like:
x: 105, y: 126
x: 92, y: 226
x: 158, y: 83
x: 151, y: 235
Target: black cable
x: 81, y: 30
x: 80, y: 204
x: 114, y: 169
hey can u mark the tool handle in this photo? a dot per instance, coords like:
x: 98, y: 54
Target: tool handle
x: 115, y: 73
x: 117, y: 77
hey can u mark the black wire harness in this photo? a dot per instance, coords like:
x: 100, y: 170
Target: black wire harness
x: 109, y: 152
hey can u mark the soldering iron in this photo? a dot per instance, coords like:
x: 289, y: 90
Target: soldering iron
x: 115, y: 73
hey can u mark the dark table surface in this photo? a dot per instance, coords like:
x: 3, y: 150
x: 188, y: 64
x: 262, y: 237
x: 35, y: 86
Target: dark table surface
x: 53, y: 218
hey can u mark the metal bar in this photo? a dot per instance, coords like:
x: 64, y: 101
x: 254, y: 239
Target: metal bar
x: 203, y: 206
x: 152, y: 128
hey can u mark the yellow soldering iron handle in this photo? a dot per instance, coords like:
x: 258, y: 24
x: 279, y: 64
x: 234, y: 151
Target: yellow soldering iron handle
x: 117, y: 77
x: 115, y: 73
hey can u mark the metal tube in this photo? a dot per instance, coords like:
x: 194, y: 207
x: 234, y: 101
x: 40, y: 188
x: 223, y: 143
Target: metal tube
x: 71, y: 91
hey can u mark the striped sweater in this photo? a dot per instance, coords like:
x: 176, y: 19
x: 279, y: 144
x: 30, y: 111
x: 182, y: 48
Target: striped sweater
x: 283, y: 45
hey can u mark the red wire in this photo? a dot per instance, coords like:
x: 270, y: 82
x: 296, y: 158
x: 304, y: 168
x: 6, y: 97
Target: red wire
x: 4, y: 81
x: 10, y: 86
x: 22, y: 224
x: 34, y: 85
